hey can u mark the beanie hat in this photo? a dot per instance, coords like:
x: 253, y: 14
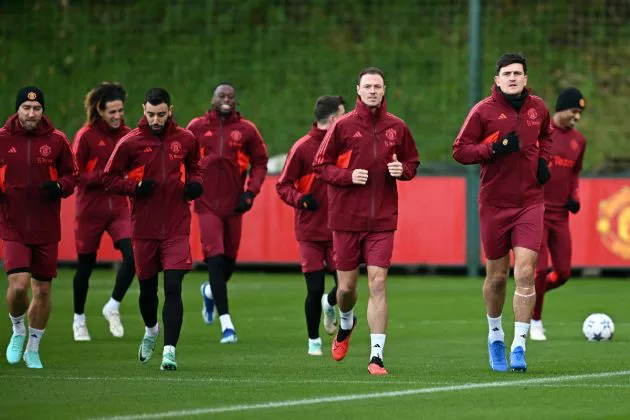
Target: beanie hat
x: 570, y: 98
x: 29, y: 93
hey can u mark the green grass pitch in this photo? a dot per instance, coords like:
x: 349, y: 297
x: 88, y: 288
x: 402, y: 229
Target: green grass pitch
x: 436, y: 354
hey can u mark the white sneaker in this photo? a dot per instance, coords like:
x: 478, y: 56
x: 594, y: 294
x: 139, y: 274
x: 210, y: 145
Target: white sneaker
x: 80, y: 331
x: 315, y: 349
x: 537, y: 333
x: 113, y: 317
x: 330, y: 316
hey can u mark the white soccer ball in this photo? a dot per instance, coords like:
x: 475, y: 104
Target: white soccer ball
x: 598, y: 327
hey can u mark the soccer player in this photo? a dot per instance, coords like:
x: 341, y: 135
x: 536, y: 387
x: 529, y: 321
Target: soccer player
x: 37, y: 170
x: 299, y: 188
x: 230, y: 145
x: 561, y: 197
x: 509, y: 135
x: 362, y: 157
x: 98, y: 211
x: 157, y: 165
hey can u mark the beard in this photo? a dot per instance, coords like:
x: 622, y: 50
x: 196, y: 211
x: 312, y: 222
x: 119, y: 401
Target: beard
x: 29, y: 125
x: 158, y: 131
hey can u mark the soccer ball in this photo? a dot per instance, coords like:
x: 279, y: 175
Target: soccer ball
x: 598, y: 327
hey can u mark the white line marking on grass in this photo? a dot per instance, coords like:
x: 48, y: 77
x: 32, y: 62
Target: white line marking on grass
x: 157, y: 379
x: 355, y: 397
x: 586, y: 386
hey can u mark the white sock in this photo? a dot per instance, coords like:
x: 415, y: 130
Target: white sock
x: 18, y: 324
x: 495, y: 329
x: 207, y: 290
x: 347, y: 319
x: 79, y: 319
x: 34, y: 336
x: 536, y: 323
x: 152, y: 331
x: 317, y: 340
x: 378, y: 344
x: 113, y: 305
x: 520, y: 334
x: 226, y: 322
x: 168, y: 349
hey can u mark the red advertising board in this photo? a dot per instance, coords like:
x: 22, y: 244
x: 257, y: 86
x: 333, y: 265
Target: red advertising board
x: 432, y: 226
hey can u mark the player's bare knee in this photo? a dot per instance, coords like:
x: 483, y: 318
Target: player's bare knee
x: 524, y: 275
x: 377, y: 286
x: 18, y: 290
x: 345, y: 290
x: 41, y: 291
x: 496, y: 281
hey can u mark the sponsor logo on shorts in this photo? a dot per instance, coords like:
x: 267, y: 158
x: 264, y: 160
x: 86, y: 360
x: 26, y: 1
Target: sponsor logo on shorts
x: 613, y: 223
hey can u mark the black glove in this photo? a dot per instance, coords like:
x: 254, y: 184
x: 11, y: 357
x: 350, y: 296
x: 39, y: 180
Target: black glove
x: 572, y: 205
x: 307, y: 202
x: 509, y: 144
x: 52, y: 190
x: 193, y: 190
x: 145, y: 188
x: 245, y: 202
x: 542, y: 174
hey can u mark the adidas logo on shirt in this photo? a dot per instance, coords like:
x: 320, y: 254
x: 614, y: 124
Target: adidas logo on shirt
x: 101, y: 143
x: 148, y: 149
x: 502, y: 117
x: 357, y: 135
x: 12, y: 150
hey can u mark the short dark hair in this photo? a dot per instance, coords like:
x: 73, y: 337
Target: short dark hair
x: 370, y: 70
x: 156, y: 96
x: 511, y: 58
x: 223, y: 84
x: 325, y: 106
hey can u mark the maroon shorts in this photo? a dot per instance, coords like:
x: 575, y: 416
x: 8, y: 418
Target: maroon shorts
x: 153, y: 256
x: 372, y: 248
x: 39, y: 260
x: 505, y: 228
x: 220, y: 235
x: 313, y: 254
x: 88, y: 231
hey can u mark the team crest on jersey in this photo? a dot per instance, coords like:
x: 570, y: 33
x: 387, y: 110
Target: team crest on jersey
x: 45, y: 150
x: 574, y: 145
x: 613, y: 223
x: 532, y: 114
x: 236, y: 135
x: 391, y: 134
x: 208, y: 133
x: 176, y: 147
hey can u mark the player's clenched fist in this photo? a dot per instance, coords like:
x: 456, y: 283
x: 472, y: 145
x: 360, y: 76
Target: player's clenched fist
x: 395, y: 168
x: 360, y: 176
